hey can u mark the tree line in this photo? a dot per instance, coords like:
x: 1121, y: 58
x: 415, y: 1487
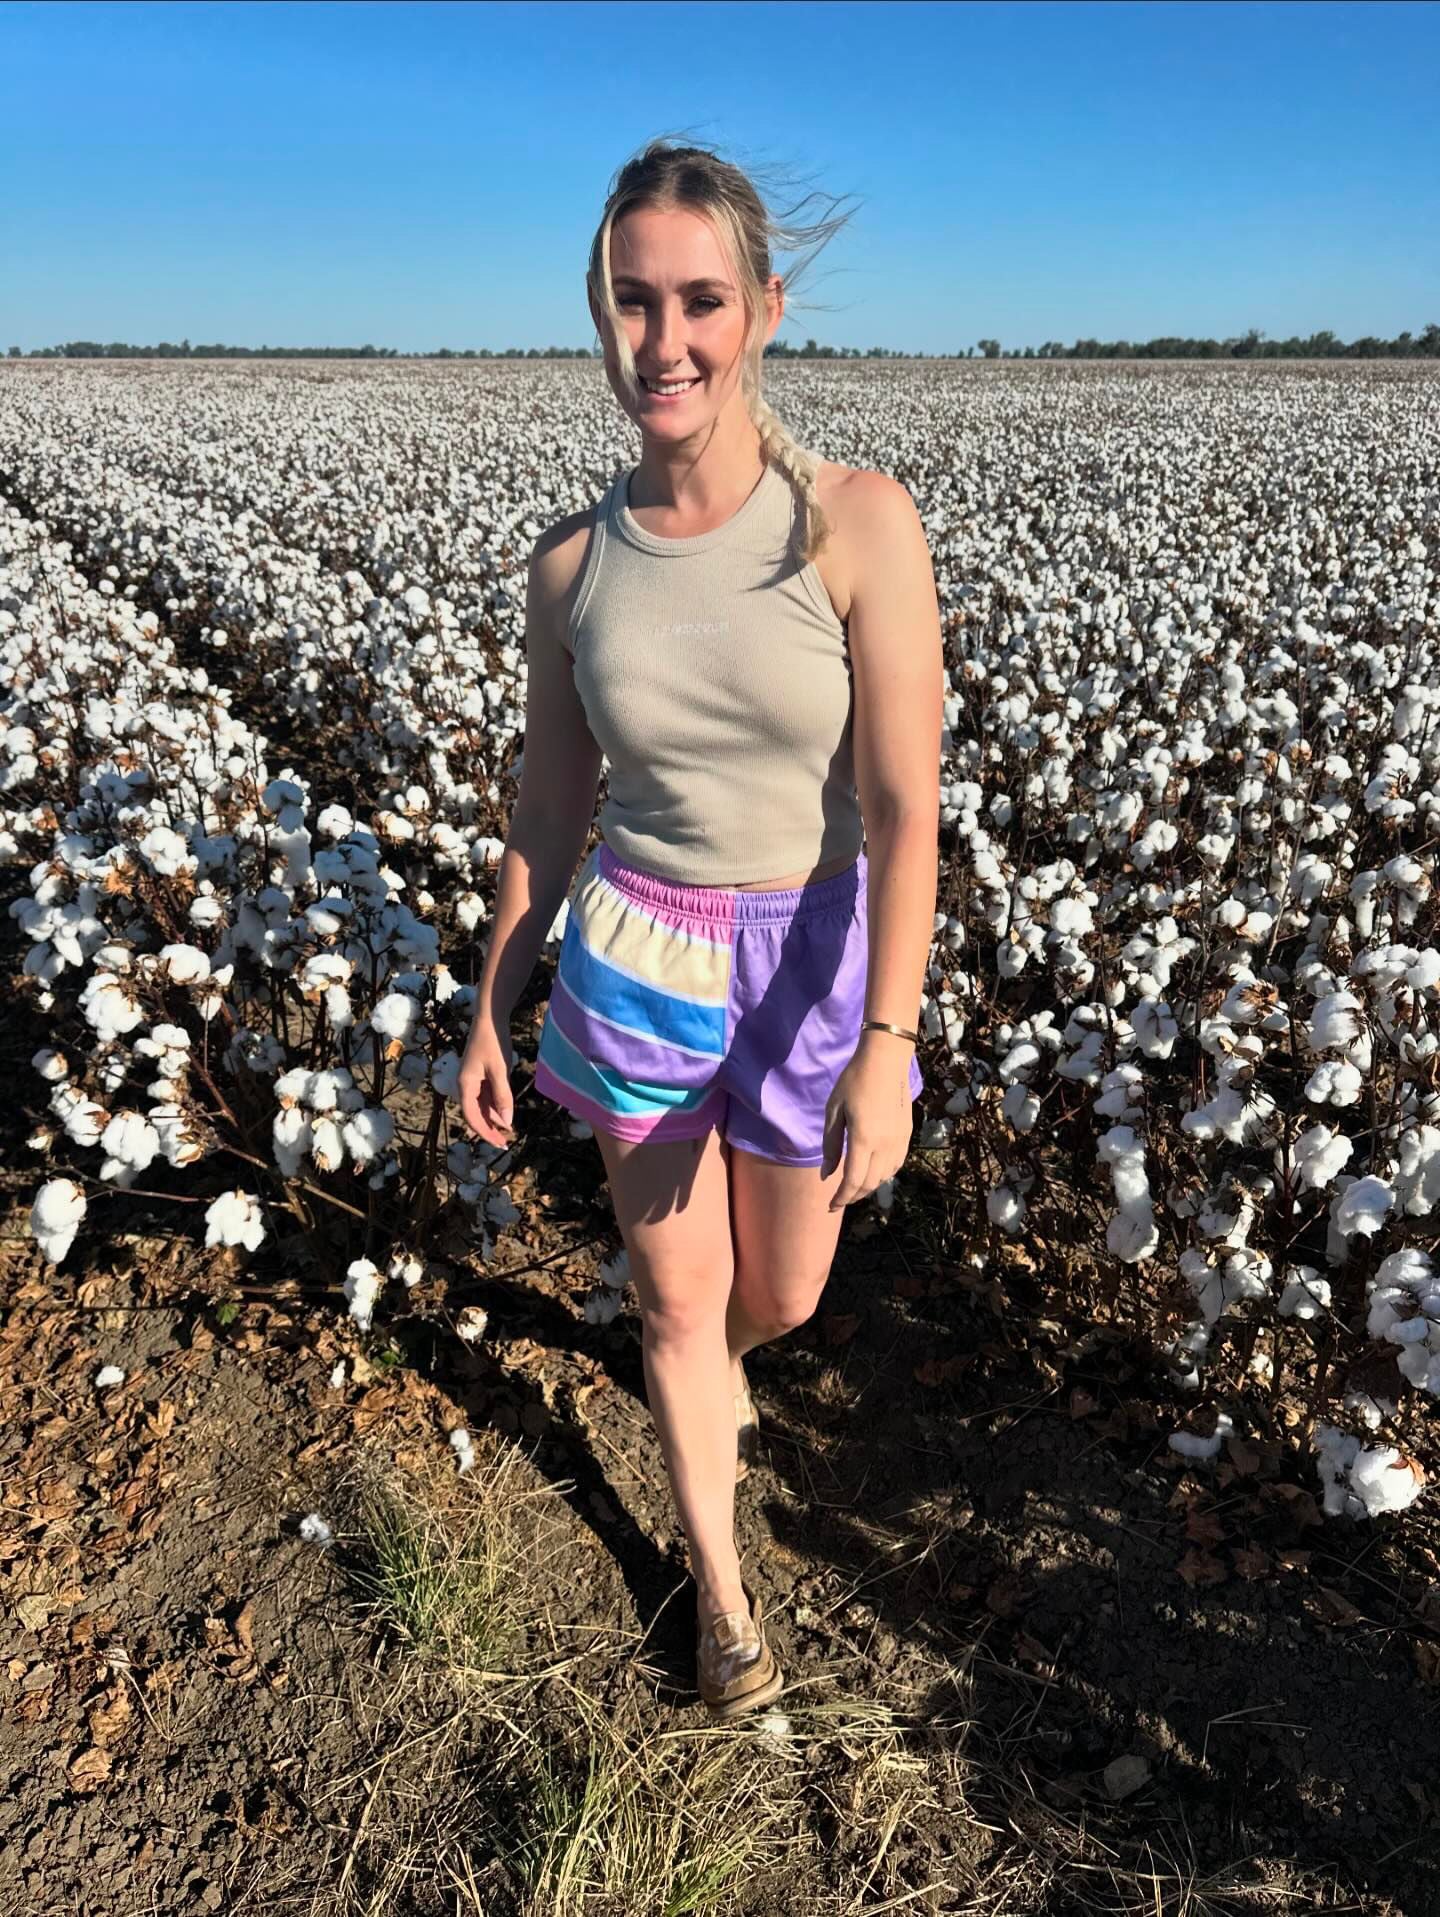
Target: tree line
x: 1252, y: 345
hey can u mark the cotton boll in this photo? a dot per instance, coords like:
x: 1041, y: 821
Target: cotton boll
x: 601, y: 1306
x: 56, y: 1216
x: 1132, y: 1233
x: 325, y: 1089
x: 616, y: 1271
x: 108, y: 1376
x: 1335, y: 1024
x: 52, y: 1066
x: 1361, y: 1207
x: 1018, y: 1062
x: 470, y: 1324
x: 1306, y: 1294
x: 1363, y: 1480
x: 1190, y: 1444
x: 500, y: 1208
x: 1005, y: 1207
x: 1385, y: 1479
x: 234, y: 1218
x: 292, y: 1139
x: 407, y: 1270
x: 292, y: 1087
x: 1336, y: 1082
x: 464, y: 1448
x: 395, y: 1015
x: 363, y: 1284
x: 1319, y: 1154
x: 367, y: 1133
x: 327, y: 1143
x: 129, y: 1141
x: 1154, y: 1027
x: 314, y: 1530
x: 1417, y: 1175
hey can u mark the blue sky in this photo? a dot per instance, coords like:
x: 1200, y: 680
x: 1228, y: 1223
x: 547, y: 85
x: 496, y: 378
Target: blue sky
x: 417, y: 175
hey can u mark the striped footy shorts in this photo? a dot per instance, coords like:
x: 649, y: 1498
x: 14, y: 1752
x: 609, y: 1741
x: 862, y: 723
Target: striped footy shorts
x: 676, y: 1008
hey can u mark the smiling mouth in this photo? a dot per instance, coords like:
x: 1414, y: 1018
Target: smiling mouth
x: 668, y: 389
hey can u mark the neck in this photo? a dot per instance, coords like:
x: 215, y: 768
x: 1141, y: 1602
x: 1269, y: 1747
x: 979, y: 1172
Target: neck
x: 701, y: 476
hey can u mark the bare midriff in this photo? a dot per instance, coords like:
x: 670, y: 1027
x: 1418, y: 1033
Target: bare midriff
x: 825, y: 871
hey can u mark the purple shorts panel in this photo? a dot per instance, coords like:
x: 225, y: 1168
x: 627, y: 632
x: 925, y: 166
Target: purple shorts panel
x: 676, y: 1008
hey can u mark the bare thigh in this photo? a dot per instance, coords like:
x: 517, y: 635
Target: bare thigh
x: 672, y: 1204
x: 784, y: 1235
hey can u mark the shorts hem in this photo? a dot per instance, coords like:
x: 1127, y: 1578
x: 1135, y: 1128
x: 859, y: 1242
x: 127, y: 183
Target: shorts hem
x: 598, y: 1119
x: 775, y: 1158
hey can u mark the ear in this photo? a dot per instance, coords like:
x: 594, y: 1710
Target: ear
x: 775, y: 304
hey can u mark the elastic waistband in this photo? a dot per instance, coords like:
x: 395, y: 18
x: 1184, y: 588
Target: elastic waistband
x: 733, y: 905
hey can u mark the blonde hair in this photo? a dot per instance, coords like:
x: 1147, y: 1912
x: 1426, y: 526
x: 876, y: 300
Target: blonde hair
x: 663, y: 176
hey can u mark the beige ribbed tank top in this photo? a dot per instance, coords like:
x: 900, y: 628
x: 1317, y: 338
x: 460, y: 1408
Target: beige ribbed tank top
x: 716, y: 680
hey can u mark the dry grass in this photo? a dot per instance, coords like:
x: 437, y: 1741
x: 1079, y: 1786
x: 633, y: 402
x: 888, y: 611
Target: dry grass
x: 513, y: 1774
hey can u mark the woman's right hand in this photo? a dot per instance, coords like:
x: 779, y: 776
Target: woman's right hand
x: 485, y: 1101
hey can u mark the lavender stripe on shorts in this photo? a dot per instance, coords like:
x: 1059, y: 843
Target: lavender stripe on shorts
x: 676, y: 1008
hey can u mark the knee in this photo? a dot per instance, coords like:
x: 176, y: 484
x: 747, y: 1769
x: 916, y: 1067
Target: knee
x: 685, y: 1315
x: 791, y: 1319
x: 776, y: 1316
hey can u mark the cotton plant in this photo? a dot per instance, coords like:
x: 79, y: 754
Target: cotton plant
x: 1189, y: 775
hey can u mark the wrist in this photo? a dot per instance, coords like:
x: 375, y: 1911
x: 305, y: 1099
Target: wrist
x: 885, y: 1032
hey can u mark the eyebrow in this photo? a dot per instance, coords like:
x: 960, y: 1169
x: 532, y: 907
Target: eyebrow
x: 690, y: 286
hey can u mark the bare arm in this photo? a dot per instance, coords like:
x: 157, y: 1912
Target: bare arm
x: 559, y: 775
x: 896, y: 648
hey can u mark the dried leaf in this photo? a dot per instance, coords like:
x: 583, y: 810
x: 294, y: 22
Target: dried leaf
x: 161, y: 1420
x: 1031, y: 1651
x: 936, y: 1371
x: 840, y: 1326
x: 109, y: 1718
x: 33, y: 1611
x: 1297, y: 1500
x: 1427, y: 1659
x: 1333, y: 1607
x: 89, y: 1770
x: 1005, y: 1593
x: 1251, y: 1562
x: 244, y: 1626
x: 1203, y: 1527
x: 1082, y: 1402
x: 1199, y: 1567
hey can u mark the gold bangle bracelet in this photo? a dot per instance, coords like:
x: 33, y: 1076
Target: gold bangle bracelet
x: 879, y: 1025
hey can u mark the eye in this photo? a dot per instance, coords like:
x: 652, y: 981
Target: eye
x: 703, y: 300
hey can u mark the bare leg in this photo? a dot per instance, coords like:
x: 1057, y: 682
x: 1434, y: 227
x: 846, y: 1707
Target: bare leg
x: 672, y: 1206
x: 784, y: 1237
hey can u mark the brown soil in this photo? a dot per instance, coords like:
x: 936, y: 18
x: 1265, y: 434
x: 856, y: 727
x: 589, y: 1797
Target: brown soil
x: 946, y: 1515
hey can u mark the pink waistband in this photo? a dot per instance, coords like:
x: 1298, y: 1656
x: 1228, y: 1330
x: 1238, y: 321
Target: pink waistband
x: 735, y: 905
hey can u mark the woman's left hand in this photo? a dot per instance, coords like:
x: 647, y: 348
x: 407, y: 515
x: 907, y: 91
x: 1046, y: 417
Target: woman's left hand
x: 872, y: 1109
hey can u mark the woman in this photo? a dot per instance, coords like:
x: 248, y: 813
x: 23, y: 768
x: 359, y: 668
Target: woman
x: 753, y: 639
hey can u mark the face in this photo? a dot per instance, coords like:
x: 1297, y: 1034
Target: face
x: 683, y: 316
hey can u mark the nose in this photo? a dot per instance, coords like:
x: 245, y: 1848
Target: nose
x: 666, y: 341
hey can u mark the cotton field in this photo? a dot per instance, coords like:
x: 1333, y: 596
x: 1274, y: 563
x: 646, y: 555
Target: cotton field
x: 260, y: 723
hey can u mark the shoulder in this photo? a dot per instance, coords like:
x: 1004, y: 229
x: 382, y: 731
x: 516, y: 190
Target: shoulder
x: 558, y: 555
x: 557, y: 565
x: 860, y: 502
x: 872, y: 519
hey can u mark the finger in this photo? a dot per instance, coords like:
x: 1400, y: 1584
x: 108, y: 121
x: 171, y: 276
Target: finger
x: 857, y: 1169
x: 830, y: 1148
